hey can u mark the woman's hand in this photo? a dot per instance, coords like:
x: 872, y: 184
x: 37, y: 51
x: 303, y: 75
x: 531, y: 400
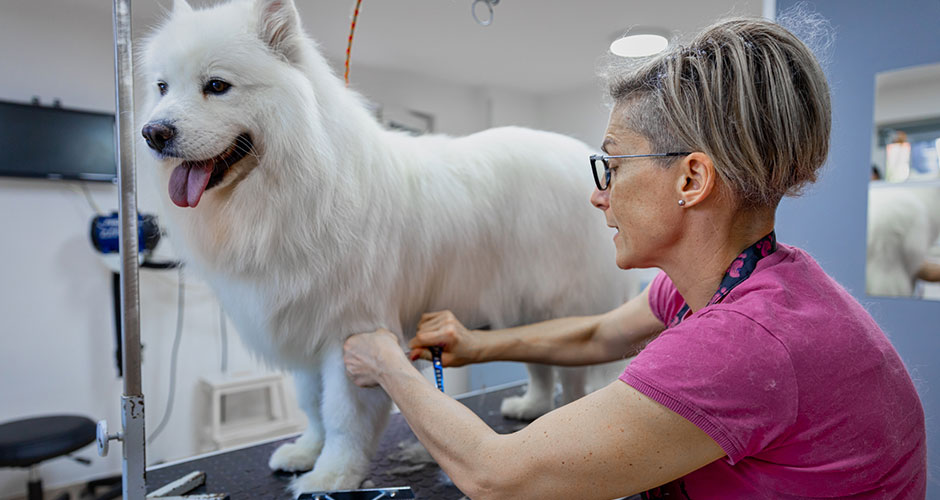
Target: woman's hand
x: 368, y: 355
x: 459, y: 346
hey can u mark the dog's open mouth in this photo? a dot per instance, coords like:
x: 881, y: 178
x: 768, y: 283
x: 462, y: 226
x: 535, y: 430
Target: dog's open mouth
x: 191, y: 179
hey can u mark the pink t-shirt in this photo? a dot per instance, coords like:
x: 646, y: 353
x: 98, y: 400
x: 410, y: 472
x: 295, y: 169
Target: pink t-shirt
x: 796, y: 383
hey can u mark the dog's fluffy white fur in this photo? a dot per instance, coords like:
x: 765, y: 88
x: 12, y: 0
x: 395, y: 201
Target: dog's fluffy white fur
x: 903, y: 223
x: 334, y: 226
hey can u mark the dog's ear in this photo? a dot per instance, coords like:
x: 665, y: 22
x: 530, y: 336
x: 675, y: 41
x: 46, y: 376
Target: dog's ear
x: 279, y: 26
x: 181, y: 7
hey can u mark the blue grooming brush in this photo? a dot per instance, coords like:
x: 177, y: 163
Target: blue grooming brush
x: 438, y: 369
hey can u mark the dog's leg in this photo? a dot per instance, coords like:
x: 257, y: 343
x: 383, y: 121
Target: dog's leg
x: 302, y: 453
x: 353, y: 420
x: 573, y: 381
x: 537, y: 399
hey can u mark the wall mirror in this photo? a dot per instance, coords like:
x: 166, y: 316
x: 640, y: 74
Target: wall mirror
x: 903, y: 255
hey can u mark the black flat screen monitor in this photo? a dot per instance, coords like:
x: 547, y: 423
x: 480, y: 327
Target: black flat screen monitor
x: 56, y: 143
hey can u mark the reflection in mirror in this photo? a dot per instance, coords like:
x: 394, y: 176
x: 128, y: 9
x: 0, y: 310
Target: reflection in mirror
x: 904, y: 191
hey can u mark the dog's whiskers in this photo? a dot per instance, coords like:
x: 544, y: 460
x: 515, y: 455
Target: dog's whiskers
x: 249, y: 150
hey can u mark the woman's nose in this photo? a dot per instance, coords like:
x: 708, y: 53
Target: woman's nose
x: 601, y: 199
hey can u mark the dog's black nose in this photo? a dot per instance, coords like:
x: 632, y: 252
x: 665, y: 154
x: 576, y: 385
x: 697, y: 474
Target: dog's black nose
x: 158, y: 134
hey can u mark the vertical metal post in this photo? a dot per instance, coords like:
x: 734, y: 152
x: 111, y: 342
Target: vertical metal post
x: 132, y: 402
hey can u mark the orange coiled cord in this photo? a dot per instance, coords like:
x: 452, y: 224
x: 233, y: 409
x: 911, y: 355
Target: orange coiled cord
x: 352, y: 29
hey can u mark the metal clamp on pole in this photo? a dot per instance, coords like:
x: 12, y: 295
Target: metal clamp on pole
x: 104, y: 439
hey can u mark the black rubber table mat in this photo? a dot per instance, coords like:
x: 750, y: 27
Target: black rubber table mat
x: 244, y: 473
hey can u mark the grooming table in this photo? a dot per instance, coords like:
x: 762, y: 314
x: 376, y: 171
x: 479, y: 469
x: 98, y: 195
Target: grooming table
x: 243, y: 473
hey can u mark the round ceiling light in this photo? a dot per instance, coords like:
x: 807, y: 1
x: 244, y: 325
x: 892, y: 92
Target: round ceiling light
x: 639, y: 45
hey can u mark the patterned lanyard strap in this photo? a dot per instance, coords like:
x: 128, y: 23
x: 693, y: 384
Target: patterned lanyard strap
x: 740, y: 270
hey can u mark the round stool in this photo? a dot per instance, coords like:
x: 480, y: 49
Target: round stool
x: 29, y: 441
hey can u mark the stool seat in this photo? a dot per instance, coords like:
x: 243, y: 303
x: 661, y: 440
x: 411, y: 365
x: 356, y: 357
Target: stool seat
x: 29, y: 441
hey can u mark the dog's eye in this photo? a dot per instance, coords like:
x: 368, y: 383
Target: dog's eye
x: 216, y: 86
x: 162, y: 87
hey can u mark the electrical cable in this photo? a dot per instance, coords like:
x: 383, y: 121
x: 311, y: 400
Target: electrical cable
x: 175, y: 355
x: 160, y: 264
x: 88, y: 198
x: 224, y: 334
x: 91, y: 201
x: 352, y: 29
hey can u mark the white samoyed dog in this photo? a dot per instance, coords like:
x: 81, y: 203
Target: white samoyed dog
x: 311, y: 222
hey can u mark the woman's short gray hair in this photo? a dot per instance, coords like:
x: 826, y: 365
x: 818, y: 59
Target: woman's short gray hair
x: 748, y: 93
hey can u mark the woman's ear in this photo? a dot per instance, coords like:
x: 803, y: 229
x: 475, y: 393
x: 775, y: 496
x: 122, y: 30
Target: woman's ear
x: 697, y: 180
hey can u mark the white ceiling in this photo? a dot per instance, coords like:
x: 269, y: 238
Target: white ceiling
x: 540, y: 46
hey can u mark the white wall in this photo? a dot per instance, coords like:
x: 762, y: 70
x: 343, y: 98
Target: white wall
x: 580, y: 112
x: 457, y: 109
x: 54, y: 306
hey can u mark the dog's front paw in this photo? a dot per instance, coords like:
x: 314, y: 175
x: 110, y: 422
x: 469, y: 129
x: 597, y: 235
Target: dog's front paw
x: 327, y: 479
x: 524, y: 407
x: 294, y: 457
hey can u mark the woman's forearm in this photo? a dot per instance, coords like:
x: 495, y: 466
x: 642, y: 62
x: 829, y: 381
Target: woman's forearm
x: 563, y: 341
x: 457, y: 439
x: 579, y: 340
x: 570, y: 341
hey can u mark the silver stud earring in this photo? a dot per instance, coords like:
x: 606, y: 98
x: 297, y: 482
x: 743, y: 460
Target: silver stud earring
x: 681, y: 203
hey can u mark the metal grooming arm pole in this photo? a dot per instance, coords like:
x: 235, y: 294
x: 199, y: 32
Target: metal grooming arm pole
x: 132, y: 436
x: 132, y: 401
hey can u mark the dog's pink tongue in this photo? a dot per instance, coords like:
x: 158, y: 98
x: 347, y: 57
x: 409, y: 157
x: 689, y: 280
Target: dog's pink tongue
x: 188, y: 181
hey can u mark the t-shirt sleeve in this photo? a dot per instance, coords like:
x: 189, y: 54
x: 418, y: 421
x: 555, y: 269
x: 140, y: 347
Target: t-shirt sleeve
x: 726, y: 374
x: 664, y: 298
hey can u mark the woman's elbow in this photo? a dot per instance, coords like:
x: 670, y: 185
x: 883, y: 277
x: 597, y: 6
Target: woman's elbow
x: 478, y: 491
x: 487, y: 488
x: 494, y: 482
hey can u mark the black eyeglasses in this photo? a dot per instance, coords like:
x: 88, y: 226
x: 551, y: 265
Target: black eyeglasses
x: 601, y: 168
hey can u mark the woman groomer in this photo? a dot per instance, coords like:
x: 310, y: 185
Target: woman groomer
x: 767, y: 379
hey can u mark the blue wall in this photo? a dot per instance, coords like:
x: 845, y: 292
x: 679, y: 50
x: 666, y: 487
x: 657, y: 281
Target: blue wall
x: 829, y: 221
